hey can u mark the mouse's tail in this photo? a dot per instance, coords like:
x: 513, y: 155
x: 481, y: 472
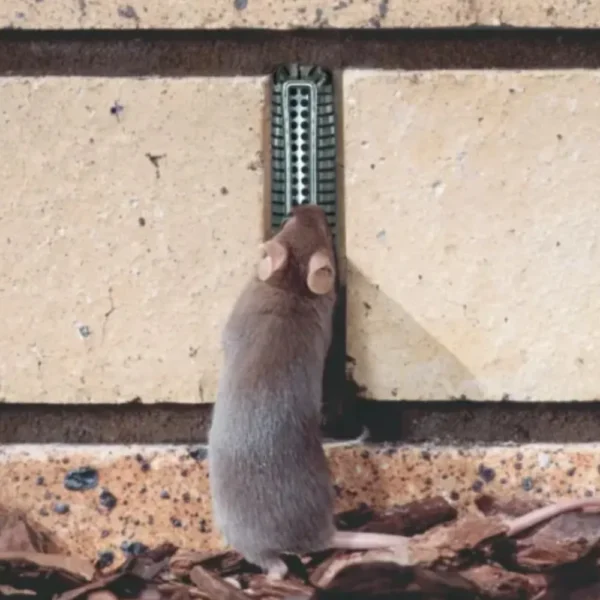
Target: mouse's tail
x: 535, y: 517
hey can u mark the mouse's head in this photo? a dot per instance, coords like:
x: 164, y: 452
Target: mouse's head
x: 300, y: 257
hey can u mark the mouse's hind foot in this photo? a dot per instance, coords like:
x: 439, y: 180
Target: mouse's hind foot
x: 276, y: 569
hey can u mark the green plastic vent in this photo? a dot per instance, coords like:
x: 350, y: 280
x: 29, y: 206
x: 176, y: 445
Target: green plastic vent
x: 303, y: 142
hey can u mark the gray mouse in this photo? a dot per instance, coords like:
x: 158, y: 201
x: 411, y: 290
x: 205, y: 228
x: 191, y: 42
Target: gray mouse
x: 271, y: 488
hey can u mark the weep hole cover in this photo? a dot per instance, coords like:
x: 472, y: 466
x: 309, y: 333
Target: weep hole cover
x: 303, y: 142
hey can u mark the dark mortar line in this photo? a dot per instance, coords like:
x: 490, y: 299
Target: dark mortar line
x: 132, y: 423
x: 177, y: 53
x: 462, y: 422
x: 473, y: 32
x: 457, y: 423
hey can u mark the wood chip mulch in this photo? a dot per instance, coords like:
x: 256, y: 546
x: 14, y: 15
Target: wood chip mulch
x: 468, y: 557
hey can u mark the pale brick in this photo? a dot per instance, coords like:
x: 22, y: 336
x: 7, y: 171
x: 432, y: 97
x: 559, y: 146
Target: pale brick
x: 117, y: 272
x: 288, y: 14
x: 472, y: 222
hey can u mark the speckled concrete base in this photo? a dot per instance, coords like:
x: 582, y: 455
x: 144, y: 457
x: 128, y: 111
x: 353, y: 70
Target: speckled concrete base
x: 162, y: 491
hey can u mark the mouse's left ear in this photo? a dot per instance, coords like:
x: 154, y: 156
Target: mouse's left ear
x: 274, y: 257
x: 321, y: 274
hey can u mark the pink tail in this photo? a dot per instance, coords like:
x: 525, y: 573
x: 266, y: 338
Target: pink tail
x: 363, y: 540
x: 535, y: 517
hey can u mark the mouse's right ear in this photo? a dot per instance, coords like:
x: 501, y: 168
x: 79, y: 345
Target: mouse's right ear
x: 274, y: 257
x: 321, y: 273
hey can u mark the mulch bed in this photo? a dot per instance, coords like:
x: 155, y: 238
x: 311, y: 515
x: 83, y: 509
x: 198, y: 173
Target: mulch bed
x: 468, y: 557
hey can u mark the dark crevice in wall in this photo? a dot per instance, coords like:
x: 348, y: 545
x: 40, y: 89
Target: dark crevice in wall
x: 180, y: 53
x: 459, y: 423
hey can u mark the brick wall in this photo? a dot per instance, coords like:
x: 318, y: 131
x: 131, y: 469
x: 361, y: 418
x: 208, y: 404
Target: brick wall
x: 134, y: 163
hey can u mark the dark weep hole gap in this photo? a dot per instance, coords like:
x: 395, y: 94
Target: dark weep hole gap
x: 303, y: 156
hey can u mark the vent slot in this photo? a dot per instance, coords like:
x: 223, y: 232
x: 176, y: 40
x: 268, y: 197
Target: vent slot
x: 303, y: 142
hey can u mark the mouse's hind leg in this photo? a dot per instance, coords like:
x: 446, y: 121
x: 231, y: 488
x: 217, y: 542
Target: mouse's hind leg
x: 276, y: 568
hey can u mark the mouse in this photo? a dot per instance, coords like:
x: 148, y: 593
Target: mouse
x: 271, y: 489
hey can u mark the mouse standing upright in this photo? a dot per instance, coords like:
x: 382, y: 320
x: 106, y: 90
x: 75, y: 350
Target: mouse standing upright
x: 271, y: 488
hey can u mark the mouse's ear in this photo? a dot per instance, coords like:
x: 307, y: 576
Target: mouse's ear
x: 274, y: 257
x: 321, y: 274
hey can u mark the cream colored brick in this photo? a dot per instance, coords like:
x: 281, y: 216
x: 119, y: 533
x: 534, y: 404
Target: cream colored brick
x: 117, y: 272
x: 287, y: 14
x: 473, y: 234
x: 170, y: 500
